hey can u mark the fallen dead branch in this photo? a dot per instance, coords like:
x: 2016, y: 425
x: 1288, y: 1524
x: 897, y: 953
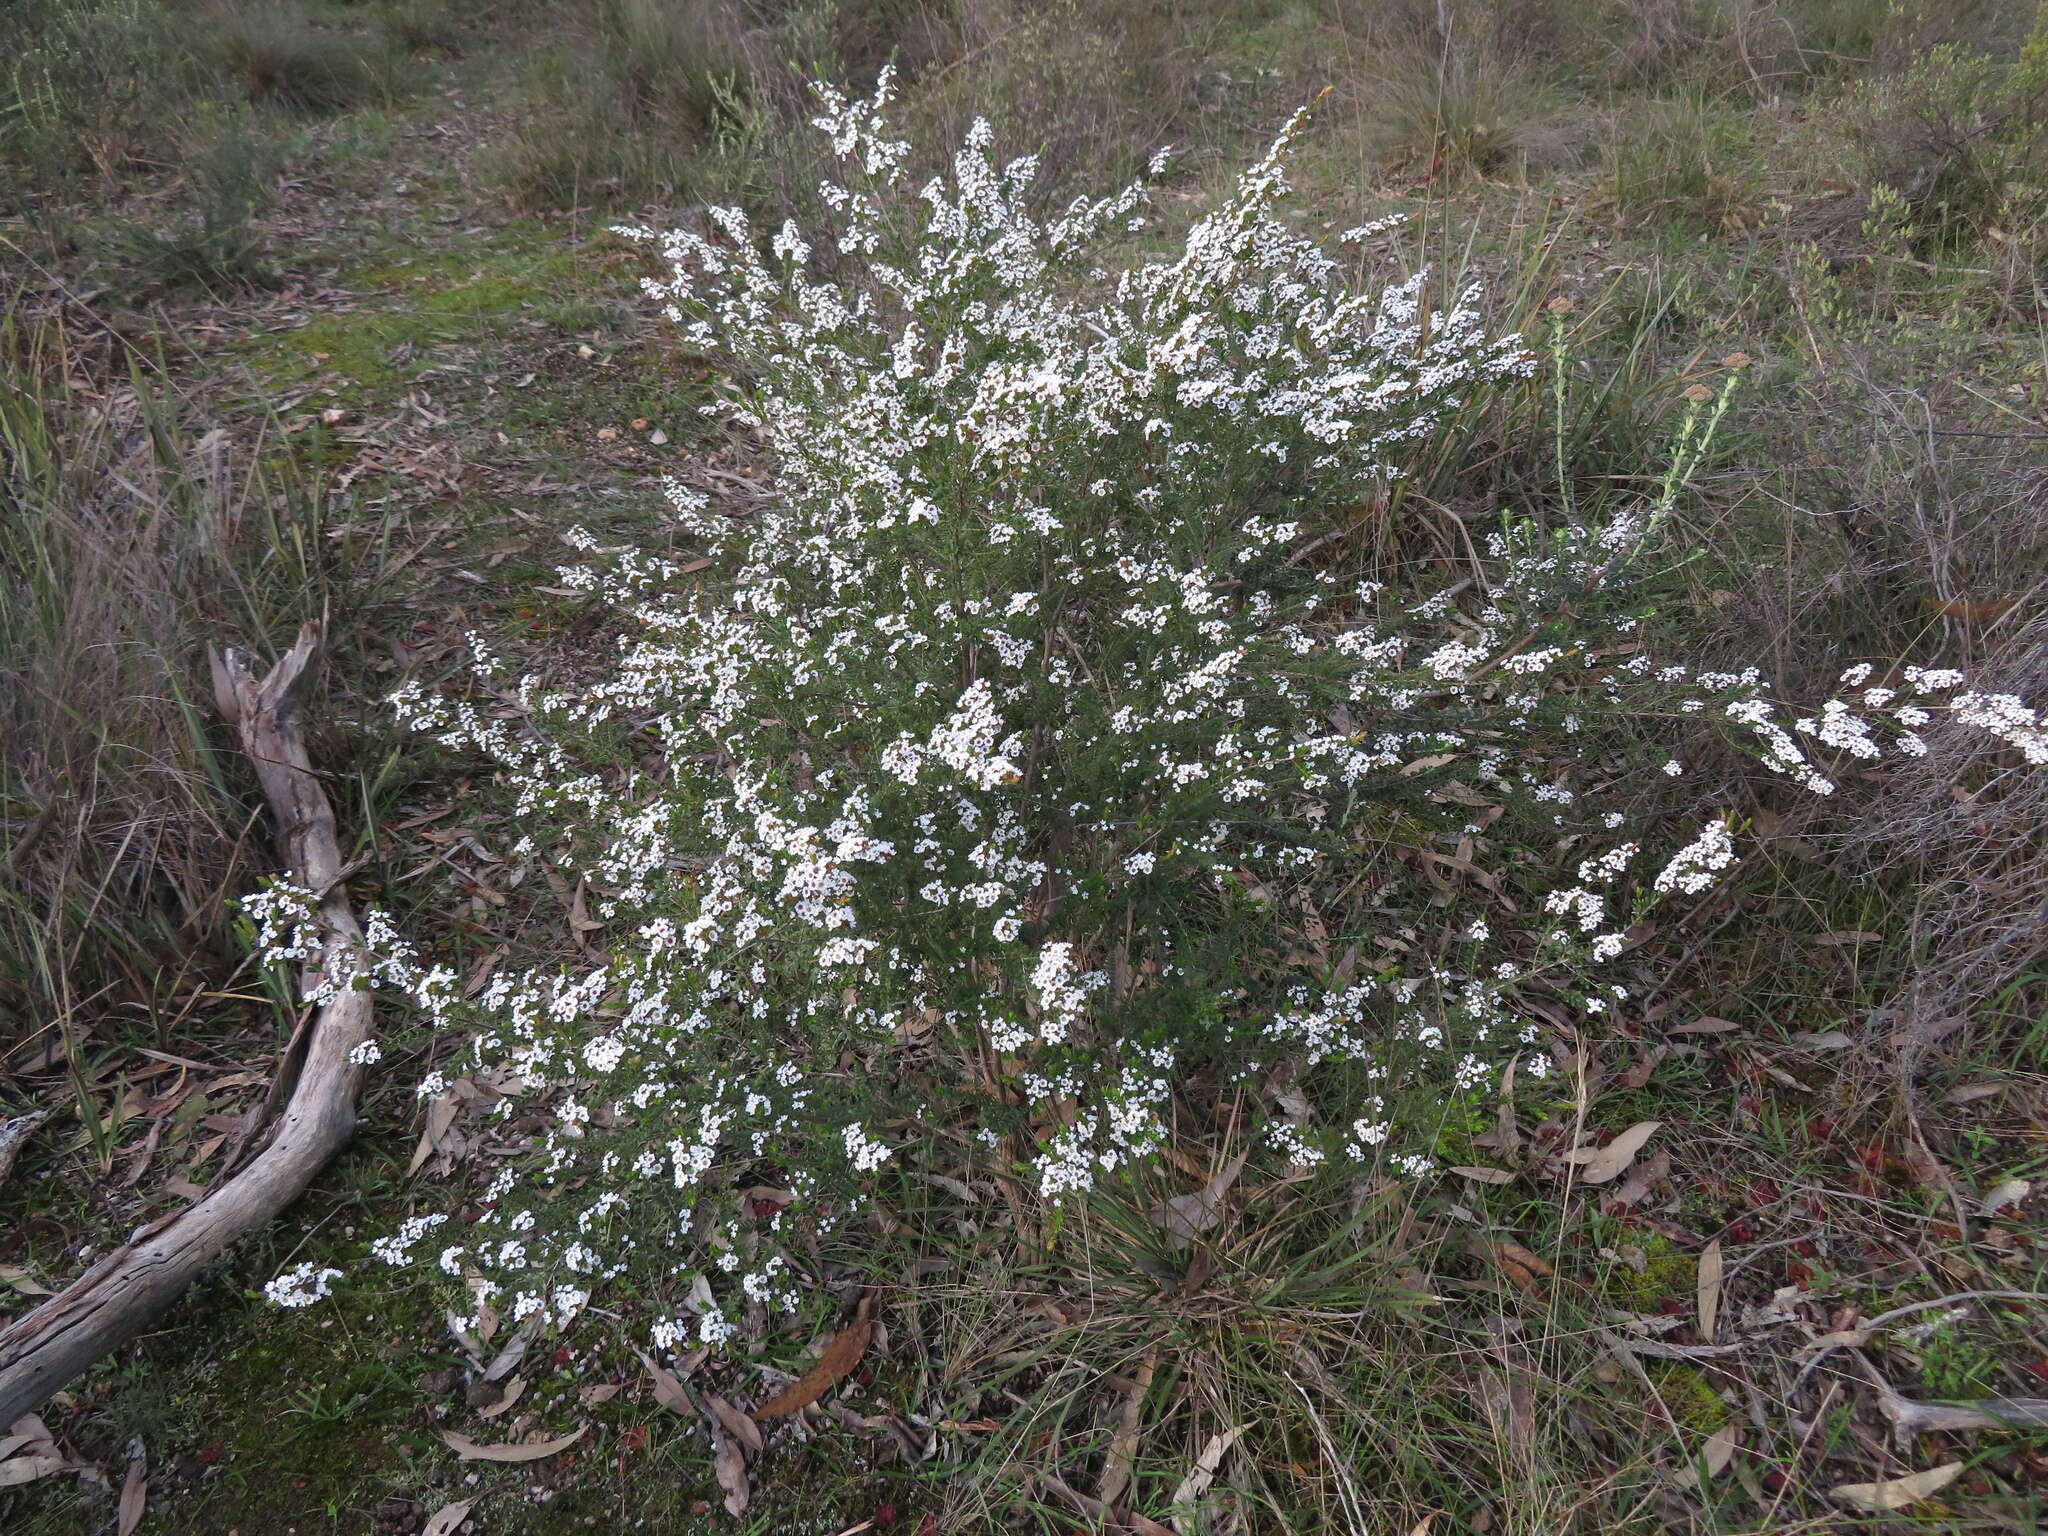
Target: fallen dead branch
x: 125, y: 1291
x: 1910, y: 1417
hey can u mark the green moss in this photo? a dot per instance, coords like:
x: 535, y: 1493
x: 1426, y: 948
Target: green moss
x: 469, y: 294
x: 1692, y: 1403
x: 1668, y: 1271
x: 363, y: 348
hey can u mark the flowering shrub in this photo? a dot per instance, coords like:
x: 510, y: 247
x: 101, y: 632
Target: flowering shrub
x: 1042, y: 751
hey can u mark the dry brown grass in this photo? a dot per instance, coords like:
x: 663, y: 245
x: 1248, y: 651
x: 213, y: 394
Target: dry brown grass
x: 127, y: 543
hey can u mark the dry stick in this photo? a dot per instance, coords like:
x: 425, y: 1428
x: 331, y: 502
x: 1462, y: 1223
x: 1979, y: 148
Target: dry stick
x: 1910, y: 1417
x: 128, y: 1289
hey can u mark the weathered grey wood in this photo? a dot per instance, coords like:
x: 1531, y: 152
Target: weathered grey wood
x: 128, y: 1289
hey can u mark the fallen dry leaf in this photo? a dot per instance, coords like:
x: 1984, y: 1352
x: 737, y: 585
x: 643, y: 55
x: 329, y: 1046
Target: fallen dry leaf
x: 667, y: 1390
x: 1186, y: 1216
x: 1826, y: 1040
x: 134, y: 1494
x: 1642, y: 1178
x: 1899, y: 1492
x: 440, y: 1115
x: 1203, y: 1472
x: 1600, y: 1164
x: 1514, y: 1253
x: 1509, y: 1406
x: 469, y: 1450
x: 507, y: 1359
x: 514, y: 1390
x: 442, y: 1522
x: 1122, y: 1457
x: 838, y: 1361
x: 1485, y: 1175
x: 16, y: 1278
x: 1710, y: 1289
x: 1715, y: 1453
x: 730, y: 1463
x: 2011, y: 1192
x: 1705, y: 1025
x: 1721, y: 1447
x: 580, y: 920
x: 736, y: 1424
x: 26, y: 1469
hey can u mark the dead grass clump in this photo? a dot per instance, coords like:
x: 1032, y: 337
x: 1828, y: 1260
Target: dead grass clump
x: 1826, y: 37
x: 209, y: 239
x: 1683, y: 163
x: 618, y: 110
x: 1092, y: 87
x: 1947, y: 561
x: 1452, y: 111
x: 422, y: 26
x: 280, y: 56
x: 125, y: 545
x: 1979, y: 918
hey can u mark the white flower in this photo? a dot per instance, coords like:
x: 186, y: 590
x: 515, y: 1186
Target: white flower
x: 1693, y: 868
x: 301, y: 1287
x: 865, y: 1155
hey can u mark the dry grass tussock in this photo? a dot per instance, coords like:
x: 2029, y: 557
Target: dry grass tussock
x: 128, y: 543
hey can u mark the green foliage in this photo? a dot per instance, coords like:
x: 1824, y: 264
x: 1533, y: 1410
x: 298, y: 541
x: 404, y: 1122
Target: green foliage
x: 212, y: 242
x: 136, y: 88
x: 1951, y: 138
x: 1876, y: 482
x: 90, y: 85
x: 1687, y: 1396
x: 1683, y: 162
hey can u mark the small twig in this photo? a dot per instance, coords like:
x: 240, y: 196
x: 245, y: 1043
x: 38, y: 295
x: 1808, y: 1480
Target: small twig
x: 1658, y: 1350
x: 1853, y: 1338
x: 1885, y: 1318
